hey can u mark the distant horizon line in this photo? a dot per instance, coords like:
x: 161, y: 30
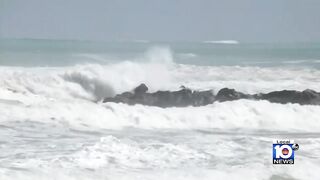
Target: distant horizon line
x: 221, y: 41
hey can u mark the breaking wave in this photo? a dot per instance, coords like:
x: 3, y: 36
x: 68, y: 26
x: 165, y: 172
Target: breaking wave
x: 70, y: 94
x: 243, y: 114
x: 52, y: 120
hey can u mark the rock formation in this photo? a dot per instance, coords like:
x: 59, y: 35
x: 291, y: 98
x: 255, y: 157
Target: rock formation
x: 187, y: 97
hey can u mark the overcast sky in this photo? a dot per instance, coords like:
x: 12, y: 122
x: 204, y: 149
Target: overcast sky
x: 164, y: 20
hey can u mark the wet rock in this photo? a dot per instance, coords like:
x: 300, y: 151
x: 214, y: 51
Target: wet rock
x: 142, y: 88
x: 180, y: 98
x: 227, y: 94
x: 289, y: 96
x: 187, y: 97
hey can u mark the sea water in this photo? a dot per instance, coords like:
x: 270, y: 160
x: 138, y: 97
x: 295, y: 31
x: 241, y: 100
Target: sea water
x: 53, y: 124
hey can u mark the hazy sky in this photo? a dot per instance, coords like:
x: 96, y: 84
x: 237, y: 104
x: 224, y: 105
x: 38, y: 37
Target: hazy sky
x: 165, y: 20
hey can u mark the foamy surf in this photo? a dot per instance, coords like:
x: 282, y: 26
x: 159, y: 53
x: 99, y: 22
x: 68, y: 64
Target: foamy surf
x: 54, y: 126
x: 65, y: 94
x: 62, y: 152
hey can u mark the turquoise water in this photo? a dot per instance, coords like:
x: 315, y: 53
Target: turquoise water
x: 29, y: 52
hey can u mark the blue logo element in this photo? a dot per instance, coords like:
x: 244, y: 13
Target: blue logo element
x: 283, y: 153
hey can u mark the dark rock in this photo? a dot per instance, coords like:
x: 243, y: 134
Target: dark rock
x: 142, y: 88
x: 289, y: 96
x: 181, y: 98
x: 201, y: 98
x: 187, y: 97
x: 227, y: 94
x: 124, y: 98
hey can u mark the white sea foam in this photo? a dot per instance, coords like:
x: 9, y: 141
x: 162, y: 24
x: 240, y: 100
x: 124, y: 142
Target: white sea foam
x: 51, y: 122
x: 68, y: 94
x: 189, y: 156
x: 302, y: 61
x: 244, y: 114
x: 93, y: 81
x: 186, y: 55
x: 222, y: 42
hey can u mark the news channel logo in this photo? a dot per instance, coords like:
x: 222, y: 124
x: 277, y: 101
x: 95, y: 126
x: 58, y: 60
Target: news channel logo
x: 283, y: 151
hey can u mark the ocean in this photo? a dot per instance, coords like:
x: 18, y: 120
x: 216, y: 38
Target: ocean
x: 53, y: 124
